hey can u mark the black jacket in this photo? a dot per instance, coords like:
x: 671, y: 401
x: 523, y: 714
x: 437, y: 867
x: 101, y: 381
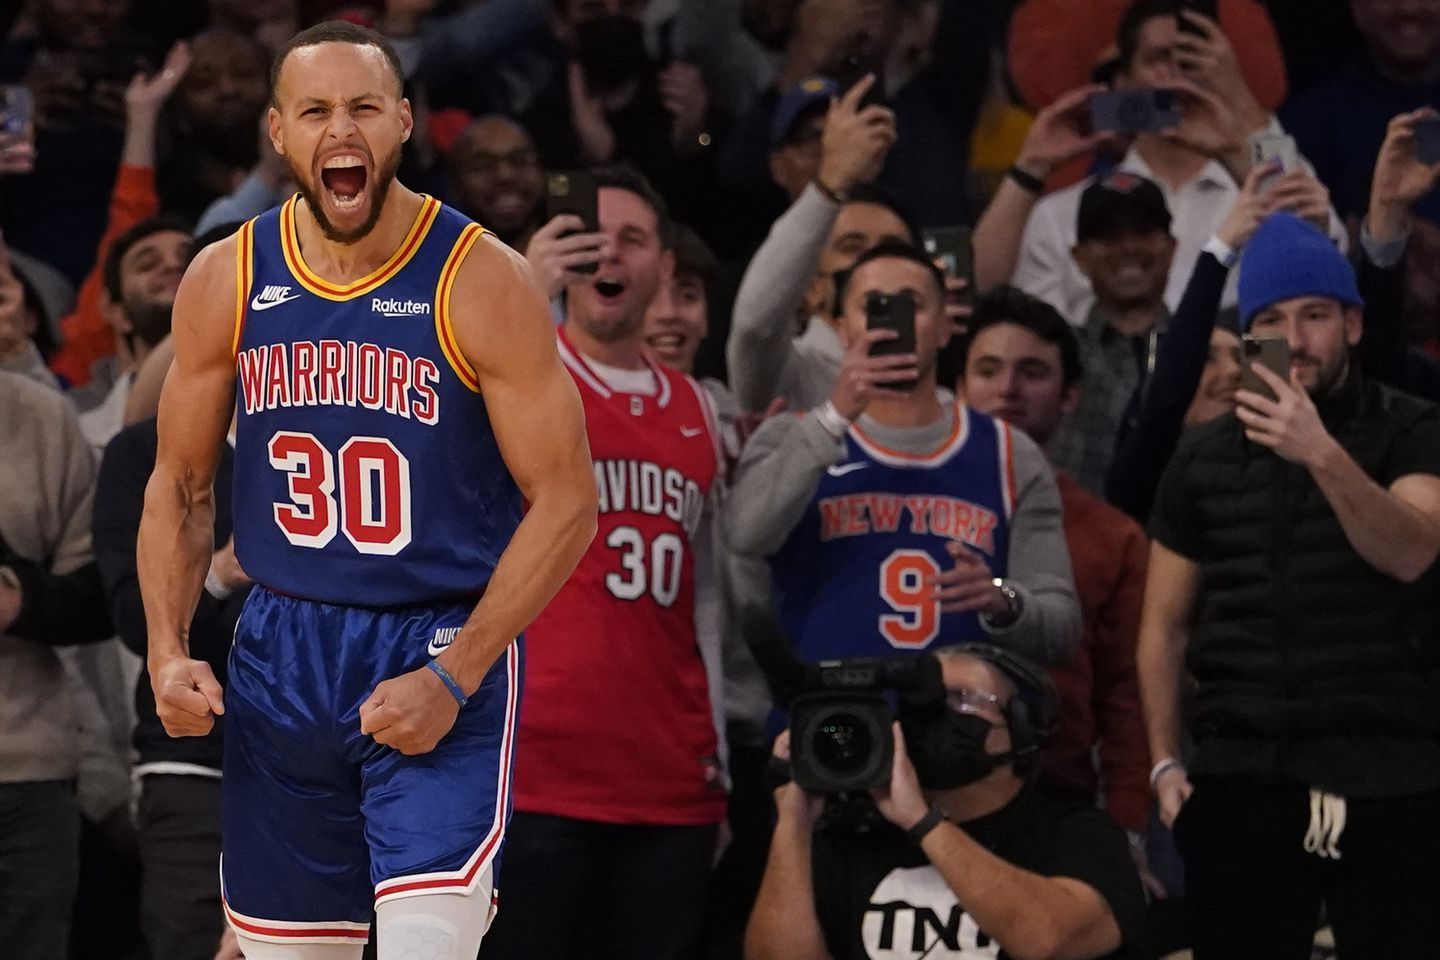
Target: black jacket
x: 1312, y: 666
x: 119, y: 500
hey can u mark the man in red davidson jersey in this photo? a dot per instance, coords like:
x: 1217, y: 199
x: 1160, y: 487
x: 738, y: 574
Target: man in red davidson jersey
x: 618, y: 786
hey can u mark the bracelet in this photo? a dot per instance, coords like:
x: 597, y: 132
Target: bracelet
x: 1163, y: 767
x: 1026, y: 181
x: 1222, y: 251
x: 922, y: 828
x: 832, y: 420
x: 439, y: 670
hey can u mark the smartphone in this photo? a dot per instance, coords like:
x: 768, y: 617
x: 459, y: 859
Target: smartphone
x: 1146, y: 110
x: 1265, y: 147
x: 1427, y: 140
x: 952, y: 248
x: 17, y: 114
x: 852, y: 71
x: 1270, y: 352
x: 574, y: 193
x: 1207, y: 8
x: 892, y: 311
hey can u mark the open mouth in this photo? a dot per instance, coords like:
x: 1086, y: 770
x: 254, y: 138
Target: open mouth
x: 344, y: 180
x: 667, y: 344
x: 608, y: 290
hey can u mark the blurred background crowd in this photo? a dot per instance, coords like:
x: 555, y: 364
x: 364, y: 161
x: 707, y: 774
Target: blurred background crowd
x: 786, y: 138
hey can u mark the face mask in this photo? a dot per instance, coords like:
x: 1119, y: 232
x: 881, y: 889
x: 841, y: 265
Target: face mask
x: 948, y: 748
x: 610, y: 50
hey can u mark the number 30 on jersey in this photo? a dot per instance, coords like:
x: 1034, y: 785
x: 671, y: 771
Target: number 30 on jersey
x: 373, y: 502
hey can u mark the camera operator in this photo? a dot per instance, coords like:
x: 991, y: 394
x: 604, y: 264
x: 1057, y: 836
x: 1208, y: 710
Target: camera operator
x: 952, y: 513
x: 971, y: 860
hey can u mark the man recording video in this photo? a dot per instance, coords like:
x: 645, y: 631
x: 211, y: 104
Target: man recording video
x: 895, y: 521
x: 970, y: 859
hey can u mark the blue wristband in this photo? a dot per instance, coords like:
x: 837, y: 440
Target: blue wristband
x: 449, y: 681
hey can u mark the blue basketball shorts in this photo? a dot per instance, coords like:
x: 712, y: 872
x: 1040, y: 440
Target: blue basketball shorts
x: 320, y: 823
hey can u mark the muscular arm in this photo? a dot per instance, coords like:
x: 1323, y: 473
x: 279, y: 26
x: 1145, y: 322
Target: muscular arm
x: 177, y: 528
x: 1395, y: 530
x: 1047, y: 918
x: 1171, y: 586
x: 509, y: 340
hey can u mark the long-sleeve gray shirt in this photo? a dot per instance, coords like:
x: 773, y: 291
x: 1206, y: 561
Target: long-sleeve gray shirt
x: 765, y: 358
x: 781, y: 470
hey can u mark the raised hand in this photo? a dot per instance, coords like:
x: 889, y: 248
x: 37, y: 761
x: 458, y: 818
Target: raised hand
x: 147, y: 95
x: 1400, y: 177
x: 901, y: 801
x: 855, y: 142
x: 1290, y: 425
x: 1208, y: 125
x: 1209, y: 59
x: 1249, y: 208
x: 1299, y: 192
x: 556, y: 249
x: 587, y: 116
x: 864, y: 378
x: 686, y: 99
x: 1061, y: 132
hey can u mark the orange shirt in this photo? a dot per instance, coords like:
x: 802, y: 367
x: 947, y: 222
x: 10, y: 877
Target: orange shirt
x: 85, y: 335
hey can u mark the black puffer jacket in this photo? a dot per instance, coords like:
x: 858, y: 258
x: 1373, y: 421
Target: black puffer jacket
x: 1312, y: 665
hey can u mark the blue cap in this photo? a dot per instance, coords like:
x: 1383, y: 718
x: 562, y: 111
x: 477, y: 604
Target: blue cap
x: 1287, y: 258
x: 795, y: 102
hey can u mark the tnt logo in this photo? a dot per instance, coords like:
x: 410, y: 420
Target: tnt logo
x: 913, y: 914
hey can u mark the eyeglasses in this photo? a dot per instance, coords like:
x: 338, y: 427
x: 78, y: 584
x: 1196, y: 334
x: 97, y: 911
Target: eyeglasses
x: 977, y: 703
x: 482, y: 162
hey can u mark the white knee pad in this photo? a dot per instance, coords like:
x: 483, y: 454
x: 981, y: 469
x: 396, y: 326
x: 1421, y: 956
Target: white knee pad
x: 264, y: 950
x: 435, y: 926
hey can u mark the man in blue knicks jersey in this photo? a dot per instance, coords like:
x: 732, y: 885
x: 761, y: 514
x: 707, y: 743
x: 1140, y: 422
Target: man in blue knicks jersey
x: 894, y: 519
x: 398, y: 391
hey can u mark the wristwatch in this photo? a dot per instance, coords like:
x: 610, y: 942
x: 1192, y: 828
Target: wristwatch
x: 925, y: 824
x: 1006, y: 618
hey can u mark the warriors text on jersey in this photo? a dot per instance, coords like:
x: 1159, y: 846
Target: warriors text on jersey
x: 617, y: 724
x: 366, y: 470
x: 853, y: 578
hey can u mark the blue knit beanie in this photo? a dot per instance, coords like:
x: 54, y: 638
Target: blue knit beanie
x: 1288, y: 257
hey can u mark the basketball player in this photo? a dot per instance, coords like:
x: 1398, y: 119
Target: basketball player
x: 618, y: 787
x: 398, y: 392
x: 893, y: 521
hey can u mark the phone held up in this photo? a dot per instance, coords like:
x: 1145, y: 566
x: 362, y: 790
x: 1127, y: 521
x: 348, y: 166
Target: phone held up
x: 1427, y: 140
x: 892, y: 311
x: 1145, y: 110
x: 576, y: 194
x: 852, y: 71
x: 1206, y: 8
x: 1268, y: 147
x: 1273, y: 353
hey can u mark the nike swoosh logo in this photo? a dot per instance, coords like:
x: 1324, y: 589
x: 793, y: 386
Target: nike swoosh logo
x: 840, y: 469
x: 436, y: 647
x: 258, y: 304
x: 691, y: 431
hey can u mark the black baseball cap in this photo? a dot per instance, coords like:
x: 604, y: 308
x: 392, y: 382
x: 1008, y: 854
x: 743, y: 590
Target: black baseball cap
x: 1121, y: 201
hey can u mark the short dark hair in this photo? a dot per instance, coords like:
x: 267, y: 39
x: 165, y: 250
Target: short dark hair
x: 881, y: 197
x: 1005, y: 304
x: 693, y: 257
x: 624, y: 177
x: 886, y: 250
x: 164, y: 223
x: 1139, y: 13
x: 336, y: 31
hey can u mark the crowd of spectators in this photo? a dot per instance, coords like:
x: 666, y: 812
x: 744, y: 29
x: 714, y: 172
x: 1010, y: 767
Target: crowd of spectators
x: 1261, y: 674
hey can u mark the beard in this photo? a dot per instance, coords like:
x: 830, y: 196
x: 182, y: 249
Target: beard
x: 149, y: 319
x: 310, y: 189
x: 1329, y: 375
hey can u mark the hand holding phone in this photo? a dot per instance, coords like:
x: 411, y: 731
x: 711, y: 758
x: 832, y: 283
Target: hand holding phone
x: 1273, y: 148
x: 1427, y: 140
x: 896, y: 312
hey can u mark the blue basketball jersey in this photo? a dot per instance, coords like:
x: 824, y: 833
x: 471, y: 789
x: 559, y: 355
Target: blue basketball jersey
x: 852, y: 579
x: 366, y: 469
